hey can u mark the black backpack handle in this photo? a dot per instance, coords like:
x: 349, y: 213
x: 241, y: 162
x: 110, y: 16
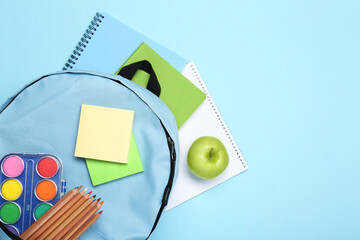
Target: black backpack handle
x: 129, y: 71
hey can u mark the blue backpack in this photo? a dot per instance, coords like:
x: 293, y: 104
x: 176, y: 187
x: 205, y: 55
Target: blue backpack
x: 43, y: 118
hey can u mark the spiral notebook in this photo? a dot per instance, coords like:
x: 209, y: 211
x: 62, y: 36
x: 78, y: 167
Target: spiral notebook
x: 106, y: 45
x: 206, y: 121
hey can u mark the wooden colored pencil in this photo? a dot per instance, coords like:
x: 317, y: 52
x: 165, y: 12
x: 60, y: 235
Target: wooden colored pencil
x: 73, y: 202
x: 58, y: 230
x: 86, y: 226
x: 50, y: 213
x: 80, y: 223
x: 64, y: 216
x: 69, y: 226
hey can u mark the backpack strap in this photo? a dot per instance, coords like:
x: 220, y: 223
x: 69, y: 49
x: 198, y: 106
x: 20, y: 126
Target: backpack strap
x: 129, y: 71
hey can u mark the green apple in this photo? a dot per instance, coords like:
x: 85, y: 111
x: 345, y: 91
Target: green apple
x: 207, y: 157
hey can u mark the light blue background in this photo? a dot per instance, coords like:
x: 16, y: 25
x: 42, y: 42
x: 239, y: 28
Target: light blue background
x: 286, y: 77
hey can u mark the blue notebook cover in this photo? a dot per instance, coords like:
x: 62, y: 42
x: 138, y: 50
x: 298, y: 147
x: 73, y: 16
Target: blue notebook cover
x: 108, y: 43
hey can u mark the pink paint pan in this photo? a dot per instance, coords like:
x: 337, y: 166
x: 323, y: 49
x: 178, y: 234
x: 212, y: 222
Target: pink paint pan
x: 12, y: 166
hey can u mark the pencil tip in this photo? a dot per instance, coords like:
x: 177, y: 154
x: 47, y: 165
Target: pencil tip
x: 94, y: 196
x: 100, y: 212
x: 101, y: 203
x: 90, y: 193
x: 80, y: 187
x: 98, y: 200
x: 85, y: 189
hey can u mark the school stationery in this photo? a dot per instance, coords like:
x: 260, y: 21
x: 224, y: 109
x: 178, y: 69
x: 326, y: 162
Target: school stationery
x: 177, y: 92
x: 67, y: 231
x: 137, y: 200
x: 82, y: 220
x: 71, y: 222
x: 64, y: 231
x: 58, y: 225
x: 206, y: 121
x: 103, y: 171
x: 56, y: 229
x: 105, y: 138
x: 30, y: 185
x: 75, y: 201
x: 85, y: 227
x: 108, y: 43
x: 80, y: 62
x: 50, y: 213
x: 104, y: 133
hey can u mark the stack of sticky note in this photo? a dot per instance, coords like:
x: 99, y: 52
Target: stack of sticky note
x: 106, y: 141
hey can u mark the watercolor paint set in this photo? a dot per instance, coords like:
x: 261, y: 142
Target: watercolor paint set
x: 30, y: 185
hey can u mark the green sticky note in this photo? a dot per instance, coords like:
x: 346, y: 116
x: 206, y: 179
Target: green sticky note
x: 104, y: 171
x: 177, y: 92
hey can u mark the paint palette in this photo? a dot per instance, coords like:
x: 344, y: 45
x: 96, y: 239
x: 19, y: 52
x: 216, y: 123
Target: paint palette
x: 30, y: 185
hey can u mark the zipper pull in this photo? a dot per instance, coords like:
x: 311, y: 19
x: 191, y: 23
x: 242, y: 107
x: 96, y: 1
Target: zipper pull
x: 172, y: 149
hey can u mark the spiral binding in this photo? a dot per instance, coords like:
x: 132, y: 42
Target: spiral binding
x: 94, y: 24
x: 219, y: 117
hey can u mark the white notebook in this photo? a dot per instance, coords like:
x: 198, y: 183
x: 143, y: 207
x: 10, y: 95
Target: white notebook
x: 206, y: 121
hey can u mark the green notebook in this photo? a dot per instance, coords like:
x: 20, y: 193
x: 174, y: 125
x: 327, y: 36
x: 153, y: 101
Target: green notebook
x: 177, y: 92
x: 104, y: 171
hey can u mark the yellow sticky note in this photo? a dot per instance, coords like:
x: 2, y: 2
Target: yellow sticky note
x: 104, y: 133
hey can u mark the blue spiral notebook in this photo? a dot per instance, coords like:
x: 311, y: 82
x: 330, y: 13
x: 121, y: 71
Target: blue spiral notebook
x: 108, y: 43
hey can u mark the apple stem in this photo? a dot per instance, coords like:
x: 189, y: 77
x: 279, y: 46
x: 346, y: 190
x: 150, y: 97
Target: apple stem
x: 211, y: 153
